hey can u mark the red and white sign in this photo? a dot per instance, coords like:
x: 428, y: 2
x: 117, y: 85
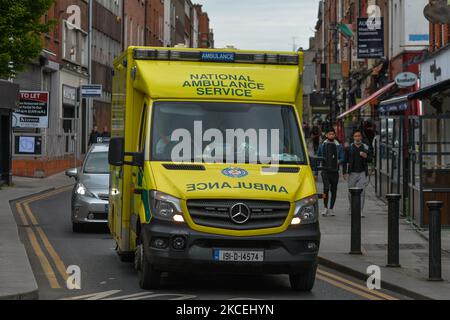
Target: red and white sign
x: 32, y: 111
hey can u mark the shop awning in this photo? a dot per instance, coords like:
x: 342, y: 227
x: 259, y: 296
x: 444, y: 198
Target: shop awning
x: 396, y: 104
x: 367, y: 100
x: 428, y: 91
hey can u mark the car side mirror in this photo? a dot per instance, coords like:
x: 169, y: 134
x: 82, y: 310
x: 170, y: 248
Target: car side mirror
x: 116, y: 152
x: 72, y: 173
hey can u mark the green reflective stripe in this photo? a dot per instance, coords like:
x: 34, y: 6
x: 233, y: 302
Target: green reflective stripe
x: 146, y: 200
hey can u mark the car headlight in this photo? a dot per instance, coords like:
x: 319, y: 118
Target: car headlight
x: 166, y: 207
x: 306, y: 211
x: 83, y: 191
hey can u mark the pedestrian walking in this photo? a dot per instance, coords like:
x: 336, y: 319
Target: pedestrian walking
x: 106, y: 133
x: 332, y: 154
x: 369, y: 131
x: 306, y: 130
x: 316, y: 133
x: 93, y: 138
x: 356, y: 168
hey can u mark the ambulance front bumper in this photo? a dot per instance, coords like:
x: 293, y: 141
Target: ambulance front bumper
x: 178, y: 248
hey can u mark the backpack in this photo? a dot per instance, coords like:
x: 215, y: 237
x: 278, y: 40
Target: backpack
x: 330, y: 154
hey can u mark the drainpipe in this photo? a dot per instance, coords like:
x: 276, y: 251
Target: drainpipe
x: 145, y: 22
x: 89, y: 104
x: 323, y: 32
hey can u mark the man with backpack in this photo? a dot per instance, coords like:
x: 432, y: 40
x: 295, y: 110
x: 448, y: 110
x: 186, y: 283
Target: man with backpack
x: 332, y: 154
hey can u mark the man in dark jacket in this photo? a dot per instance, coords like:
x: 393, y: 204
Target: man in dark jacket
x: 356, y: 169
x: 106, y: 133
x: 333, y: 156
x: 94, y: 135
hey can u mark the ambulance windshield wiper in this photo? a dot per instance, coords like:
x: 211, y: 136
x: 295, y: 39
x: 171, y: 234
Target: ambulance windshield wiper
x: 247, y: 161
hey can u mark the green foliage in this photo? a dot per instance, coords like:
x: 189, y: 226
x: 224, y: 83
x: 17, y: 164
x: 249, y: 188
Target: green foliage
x: 20, y: 33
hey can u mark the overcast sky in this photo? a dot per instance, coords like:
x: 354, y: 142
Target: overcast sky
x: 262, y: 24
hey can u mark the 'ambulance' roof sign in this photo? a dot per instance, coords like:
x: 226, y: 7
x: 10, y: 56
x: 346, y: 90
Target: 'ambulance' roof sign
x: 91, y: 91
x: 218, y: 56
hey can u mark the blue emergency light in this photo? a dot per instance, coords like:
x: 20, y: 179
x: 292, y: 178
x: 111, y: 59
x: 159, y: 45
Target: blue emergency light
x: 216, y: 56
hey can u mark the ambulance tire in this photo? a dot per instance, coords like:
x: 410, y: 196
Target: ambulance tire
x: 303, y: 281
x: 77, y: 227
x: 149, y: 278
x: 126, y: 257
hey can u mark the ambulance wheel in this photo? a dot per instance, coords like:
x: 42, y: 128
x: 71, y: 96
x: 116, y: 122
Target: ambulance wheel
x: 149, y: 278
x: 77, y: 227
x: 126, y: 257
x: 303, y: 281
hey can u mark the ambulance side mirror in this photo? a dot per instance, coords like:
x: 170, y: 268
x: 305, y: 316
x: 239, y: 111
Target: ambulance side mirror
x: 116, y: 152
x: 315, y: 161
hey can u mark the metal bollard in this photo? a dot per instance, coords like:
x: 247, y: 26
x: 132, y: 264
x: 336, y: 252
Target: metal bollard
x: 355, y: 245
x: 393, y: 230
x: 435, y: 265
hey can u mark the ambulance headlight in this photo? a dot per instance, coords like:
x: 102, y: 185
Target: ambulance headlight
x: 306, y: 211
x: 166, y: 207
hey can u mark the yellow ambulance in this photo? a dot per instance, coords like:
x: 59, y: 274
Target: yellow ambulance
x: 209, y: 166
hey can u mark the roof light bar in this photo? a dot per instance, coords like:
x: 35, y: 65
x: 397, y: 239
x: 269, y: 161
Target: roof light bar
x: 216, y: 56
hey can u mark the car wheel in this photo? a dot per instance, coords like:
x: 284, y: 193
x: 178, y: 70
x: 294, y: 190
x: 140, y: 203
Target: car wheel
x: 149, y: 278
x: 77, y: 227
x: 303, y: 281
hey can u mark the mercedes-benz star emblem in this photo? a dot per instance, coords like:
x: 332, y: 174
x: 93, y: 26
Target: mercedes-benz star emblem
x: 240, y: 213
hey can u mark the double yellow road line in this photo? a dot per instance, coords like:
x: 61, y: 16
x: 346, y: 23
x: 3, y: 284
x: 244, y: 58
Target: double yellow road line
x: 352, y: 287
x: 37, y: 236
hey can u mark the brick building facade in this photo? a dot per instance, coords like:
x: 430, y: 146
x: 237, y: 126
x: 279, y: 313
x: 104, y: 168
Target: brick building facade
x: 63, y: 67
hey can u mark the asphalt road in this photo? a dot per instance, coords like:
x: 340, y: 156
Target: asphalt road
x: 45, y: 228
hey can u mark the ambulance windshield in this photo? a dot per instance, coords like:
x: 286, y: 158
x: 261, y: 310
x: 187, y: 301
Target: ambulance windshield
x: 226, y: 133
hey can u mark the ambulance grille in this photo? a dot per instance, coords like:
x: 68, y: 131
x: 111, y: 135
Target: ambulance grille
x: 184, y: 167
x: 281, y: 169
x: 216, y: 214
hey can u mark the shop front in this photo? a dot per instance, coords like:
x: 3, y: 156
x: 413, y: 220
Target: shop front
x: 391, y: 149
x: 413, y: 151
x: 429, y: 148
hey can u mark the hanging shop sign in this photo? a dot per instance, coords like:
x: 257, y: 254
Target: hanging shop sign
x: 91, y: 91
x: 406, y: 79
x: 370, y: 39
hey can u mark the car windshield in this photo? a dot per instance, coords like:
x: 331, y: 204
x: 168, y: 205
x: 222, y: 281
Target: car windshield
x: 97, y: 162
x: 225, y: 132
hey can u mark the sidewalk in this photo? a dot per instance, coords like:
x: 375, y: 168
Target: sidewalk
x: 411, y: 278
x: 17, y: 281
